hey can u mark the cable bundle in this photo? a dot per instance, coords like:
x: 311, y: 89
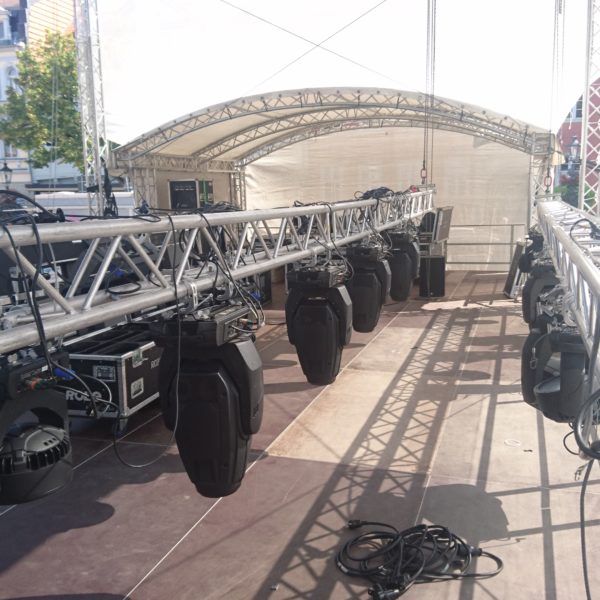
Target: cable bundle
x: 394, y: 560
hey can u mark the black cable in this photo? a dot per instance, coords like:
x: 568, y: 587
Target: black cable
x: 253, y: 304
x: 30, y: 291
x: 594, y: 229
x: 393, y: 561
x: 589, y: 406
x: 564, y: 441
x: 586, y: 580
x: 177, y: 375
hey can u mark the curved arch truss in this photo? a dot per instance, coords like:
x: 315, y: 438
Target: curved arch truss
x: 239, y: 132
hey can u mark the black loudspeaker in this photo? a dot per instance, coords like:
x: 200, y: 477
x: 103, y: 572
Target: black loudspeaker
x: 319, y: 324
x: 401, y: 267
x: 560, y: 397
x: 220, y: 393
x: 432, y: 277
x: 35, y: 455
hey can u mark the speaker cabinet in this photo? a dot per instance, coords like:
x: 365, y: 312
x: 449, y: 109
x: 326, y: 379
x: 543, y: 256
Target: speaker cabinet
x: 432, y: 277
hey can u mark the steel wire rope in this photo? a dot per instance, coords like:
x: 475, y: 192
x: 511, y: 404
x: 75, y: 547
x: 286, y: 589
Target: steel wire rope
x: 427, y: 168
x: 557, y: 63
x: 314, y: 45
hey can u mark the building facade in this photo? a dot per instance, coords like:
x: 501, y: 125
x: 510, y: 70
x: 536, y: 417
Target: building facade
x: 26, y: 22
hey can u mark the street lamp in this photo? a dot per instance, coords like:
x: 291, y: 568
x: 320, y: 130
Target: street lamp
x: 574, y: 150
x: 7, y: 173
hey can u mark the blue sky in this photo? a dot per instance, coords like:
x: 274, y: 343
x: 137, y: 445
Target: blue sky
x: 162, y: 60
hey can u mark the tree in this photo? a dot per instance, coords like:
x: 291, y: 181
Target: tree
x: 41, y: 113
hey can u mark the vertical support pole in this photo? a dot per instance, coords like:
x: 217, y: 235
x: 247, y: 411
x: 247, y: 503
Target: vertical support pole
x: 242, y: 179
x: 91, y: 101
x: 144, y: 186
x: 538, y: 165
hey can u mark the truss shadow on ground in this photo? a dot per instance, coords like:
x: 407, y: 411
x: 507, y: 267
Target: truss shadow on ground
x: 383, y: 470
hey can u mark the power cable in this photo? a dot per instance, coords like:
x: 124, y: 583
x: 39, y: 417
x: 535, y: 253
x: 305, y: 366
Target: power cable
x: 393, y: 561
x: 176, y: 379
x: 584, y: 562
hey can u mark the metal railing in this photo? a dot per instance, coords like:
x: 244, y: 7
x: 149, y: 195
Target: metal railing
x: 517, y: 232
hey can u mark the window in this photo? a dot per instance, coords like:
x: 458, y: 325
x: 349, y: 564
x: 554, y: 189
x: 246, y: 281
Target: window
x: 11, y: 76
x: 10, y: 151
x: 577, y: 111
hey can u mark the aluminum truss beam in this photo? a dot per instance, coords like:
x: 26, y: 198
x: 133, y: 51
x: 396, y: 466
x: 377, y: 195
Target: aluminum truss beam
x: 263, y: 118
x: 249, y: 242
x: 576, y: 258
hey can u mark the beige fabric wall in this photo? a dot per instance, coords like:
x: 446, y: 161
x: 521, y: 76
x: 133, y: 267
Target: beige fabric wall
x: 487, y: 183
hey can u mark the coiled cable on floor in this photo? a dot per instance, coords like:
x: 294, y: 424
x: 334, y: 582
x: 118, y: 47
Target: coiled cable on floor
x: 395, y: 560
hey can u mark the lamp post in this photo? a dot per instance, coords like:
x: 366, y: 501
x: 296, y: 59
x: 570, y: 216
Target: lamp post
x: 574, y: 151
x: 7, y: 173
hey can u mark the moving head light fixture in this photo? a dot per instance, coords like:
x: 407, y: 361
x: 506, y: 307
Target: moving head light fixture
x: 369, y: 285
x: 404, y: 262
x: 318, y: 313
x: 554, y: 359
x: 35, y: 449
x: 212, y: 397
x: 542, y: 278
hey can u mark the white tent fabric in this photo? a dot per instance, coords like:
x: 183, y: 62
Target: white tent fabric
x: 486, y: 183
x: 161, y: 60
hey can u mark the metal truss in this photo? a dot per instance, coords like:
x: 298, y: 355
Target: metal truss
x: 144, y: 185
x: 168, y: 162
x: 589, y: 188
x: 265, y: 122
x: 538, y: 168
x: 91, y: 101
x: 241, y: 243
x: 576, y: 258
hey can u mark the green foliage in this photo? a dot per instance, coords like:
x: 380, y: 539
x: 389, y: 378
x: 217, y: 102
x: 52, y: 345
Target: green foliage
x: 42, y: 114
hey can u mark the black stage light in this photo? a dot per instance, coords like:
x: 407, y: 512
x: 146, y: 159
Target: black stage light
x: 404, y: 263
x: 216, y: 397
x: 542, y: 278
x: 318, y: 313
x: 35, y: 449
x: 560, y: 397
x: 401, y: 267
x: 535, y: 357
x: 405, y: 241
x: 369, y: 285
